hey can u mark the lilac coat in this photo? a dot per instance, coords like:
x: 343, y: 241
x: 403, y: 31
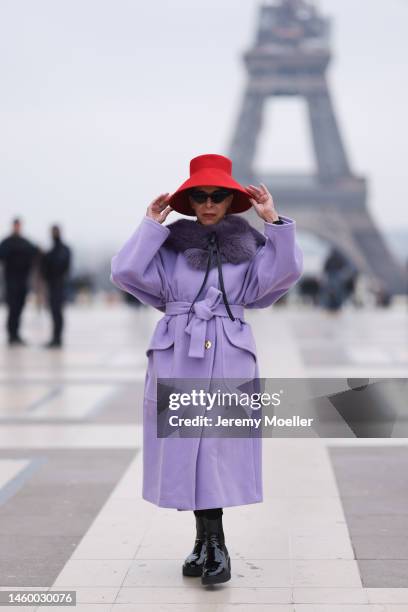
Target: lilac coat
x: 195, y: 473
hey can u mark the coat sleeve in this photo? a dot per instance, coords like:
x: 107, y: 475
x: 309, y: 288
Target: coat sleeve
x: 276, y: 266
x: 138, y: 267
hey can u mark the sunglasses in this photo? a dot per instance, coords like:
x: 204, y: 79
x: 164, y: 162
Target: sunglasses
x: 199, y: 196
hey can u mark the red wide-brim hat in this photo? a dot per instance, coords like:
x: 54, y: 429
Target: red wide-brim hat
x: 206, y: 170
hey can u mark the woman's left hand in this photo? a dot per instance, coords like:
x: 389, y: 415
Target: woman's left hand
x: 263, y: 203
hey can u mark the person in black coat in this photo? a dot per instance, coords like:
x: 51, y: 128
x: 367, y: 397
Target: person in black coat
x: 55, y: 266
x: 18, y: 256
x: 339, y: 280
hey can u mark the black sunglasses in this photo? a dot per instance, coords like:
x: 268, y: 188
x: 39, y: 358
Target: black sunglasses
x: 199, y: 196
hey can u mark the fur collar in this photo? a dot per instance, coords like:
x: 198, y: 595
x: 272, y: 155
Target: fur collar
x: 238, y: 240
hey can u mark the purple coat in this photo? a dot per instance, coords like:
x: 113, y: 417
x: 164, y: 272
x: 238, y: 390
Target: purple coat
x: 208, y: 472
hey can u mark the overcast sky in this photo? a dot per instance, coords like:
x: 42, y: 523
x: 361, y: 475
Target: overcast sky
x: 104, y: 103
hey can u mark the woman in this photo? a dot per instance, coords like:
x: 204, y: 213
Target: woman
x: 202, y: 274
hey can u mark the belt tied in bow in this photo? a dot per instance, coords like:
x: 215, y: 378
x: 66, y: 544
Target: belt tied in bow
x: 204, y: 310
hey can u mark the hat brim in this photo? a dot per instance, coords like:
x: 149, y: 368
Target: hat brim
x: 180, y: 202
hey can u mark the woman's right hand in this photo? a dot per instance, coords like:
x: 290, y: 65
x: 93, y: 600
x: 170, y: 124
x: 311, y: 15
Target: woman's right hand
x: 159, y: 209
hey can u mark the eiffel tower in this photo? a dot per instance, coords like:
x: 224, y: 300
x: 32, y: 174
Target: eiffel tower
x: 290, y: 58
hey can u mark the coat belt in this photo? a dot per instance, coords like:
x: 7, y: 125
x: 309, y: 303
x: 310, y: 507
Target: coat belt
x: 203, y: 311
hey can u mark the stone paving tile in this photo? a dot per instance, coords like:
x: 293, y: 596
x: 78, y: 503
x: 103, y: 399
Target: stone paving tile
x: 373, y: 485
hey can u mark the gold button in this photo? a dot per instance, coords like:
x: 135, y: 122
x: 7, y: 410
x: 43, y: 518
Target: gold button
x: 207, y: 344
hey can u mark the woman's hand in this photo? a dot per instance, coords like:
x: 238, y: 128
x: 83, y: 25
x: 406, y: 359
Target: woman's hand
x: 263, y: 203
x: 159, y: 209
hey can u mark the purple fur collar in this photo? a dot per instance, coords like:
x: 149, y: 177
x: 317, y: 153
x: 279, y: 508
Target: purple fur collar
x: 238, y: 240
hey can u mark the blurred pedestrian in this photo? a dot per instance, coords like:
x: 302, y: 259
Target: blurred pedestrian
x: 339, y: 276
x: 18, y: 256
x: 54, y: 268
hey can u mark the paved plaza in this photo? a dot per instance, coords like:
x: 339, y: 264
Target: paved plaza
x: 331, y: 534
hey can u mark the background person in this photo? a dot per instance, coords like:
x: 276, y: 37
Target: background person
x: 18, y: 256
x: 54, y: 268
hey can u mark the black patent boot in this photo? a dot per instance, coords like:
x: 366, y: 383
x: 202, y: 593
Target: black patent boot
x: 193, y: 565
x: 217, y: 564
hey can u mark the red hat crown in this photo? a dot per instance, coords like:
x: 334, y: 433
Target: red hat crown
x: 211, y: 160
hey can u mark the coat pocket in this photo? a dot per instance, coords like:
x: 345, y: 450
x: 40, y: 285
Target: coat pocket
x: 160, y: 354
x: 163, y: 336
x: 240, y: 338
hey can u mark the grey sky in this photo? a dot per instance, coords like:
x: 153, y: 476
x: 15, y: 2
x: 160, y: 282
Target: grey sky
x: 104, y: 103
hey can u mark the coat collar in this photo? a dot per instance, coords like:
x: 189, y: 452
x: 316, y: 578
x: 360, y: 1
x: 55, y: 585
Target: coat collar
x: 238, y: 240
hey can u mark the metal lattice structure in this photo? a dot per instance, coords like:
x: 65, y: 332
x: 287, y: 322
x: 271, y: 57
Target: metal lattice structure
x: 290, y: 58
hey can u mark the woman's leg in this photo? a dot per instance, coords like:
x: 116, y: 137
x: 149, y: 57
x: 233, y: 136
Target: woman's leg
x: 210, y: 513
x: 193, y: 564
x: 217, y: 563
x: 209, y: 558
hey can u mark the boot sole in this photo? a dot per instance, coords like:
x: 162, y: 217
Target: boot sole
x: 192, y: 571
x: 218, y: 579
